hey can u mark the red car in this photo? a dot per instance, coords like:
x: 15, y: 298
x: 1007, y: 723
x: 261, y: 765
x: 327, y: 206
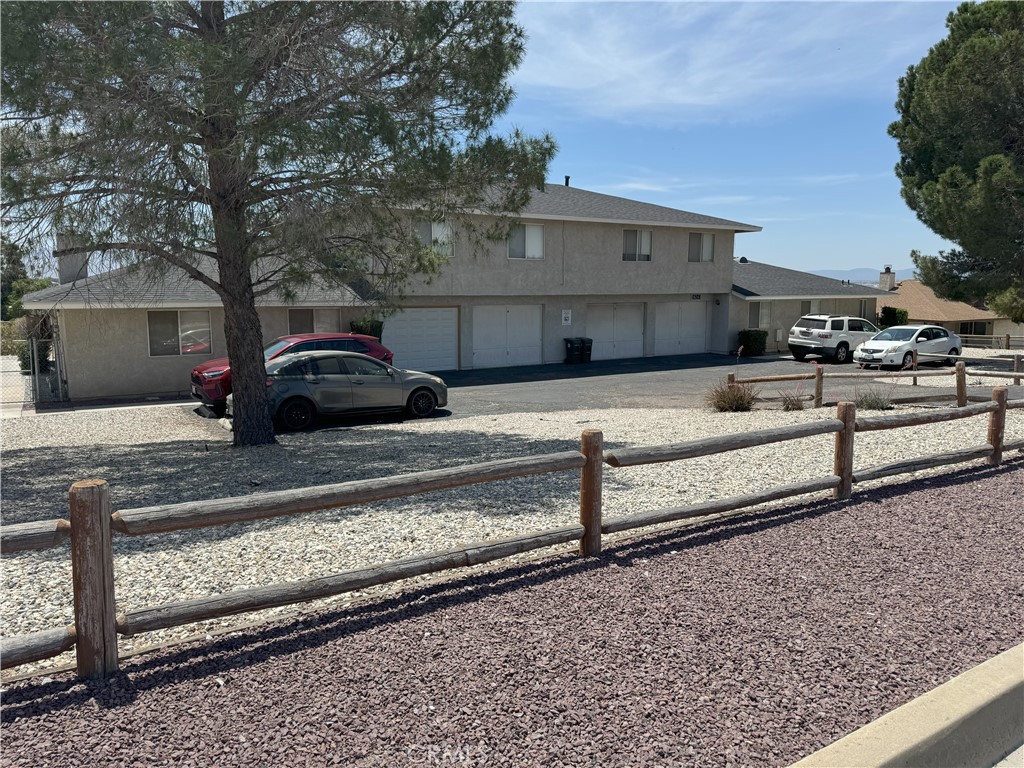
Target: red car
x: 211, y: 381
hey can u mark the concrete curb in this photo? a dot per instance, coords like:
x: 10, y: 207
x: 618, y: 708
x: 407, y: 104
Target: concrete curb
x: 975, y: 719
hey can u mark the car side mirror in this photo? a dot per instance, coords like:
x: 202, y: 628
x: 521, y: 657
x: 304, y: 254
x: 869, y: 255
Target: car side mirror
x: 920, y: 339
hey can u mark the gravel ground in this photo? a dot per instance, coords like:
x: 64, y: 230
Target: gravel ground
x: 192, y: 459
x: 752, y: 644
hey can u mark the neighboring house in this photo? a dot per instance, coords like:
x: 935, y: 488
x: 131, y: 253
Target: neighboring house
x: 923, y: 306
x: 638, y: 279
x: 774, y: 298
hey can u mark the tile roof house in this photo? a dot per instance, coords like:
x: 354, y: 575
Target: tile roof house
x: 923, y: 306
x: 774, y: 298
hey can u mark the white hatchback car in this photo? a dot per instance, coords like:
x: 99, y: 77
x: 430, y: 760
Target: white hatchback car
x: 895, y: 346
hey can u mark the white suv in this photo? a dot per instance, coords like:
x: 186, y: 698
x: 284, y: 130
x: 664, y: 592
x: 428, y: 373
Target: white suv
x: 833, y: 335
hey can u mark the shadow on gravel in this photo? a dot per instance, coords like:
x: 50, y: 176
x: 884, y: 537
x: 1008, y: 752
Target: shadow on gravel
x: 213, y: 662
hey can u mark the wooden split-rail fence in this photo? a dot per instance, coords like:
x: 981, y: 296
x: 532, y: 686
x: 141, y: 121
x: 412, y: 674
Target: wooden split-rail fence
x: 91, y: 524
x: 959, y: 372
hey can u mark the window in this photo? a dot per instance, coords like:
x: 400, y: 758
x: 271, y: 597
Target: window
x: 526, y: 241
x: 359, y: 367
x: 305, y: 320
x: 857, y: 326
x: 636, y: 245
x: 437, y: 235
x: 328, y: 366
x: 760, y: 314
x: 836, y: 325
x: 185, y: 332
x: 862, y: 308
x: 811, y: 307
x: 702, y: 246
x: 939, y: 333
x: 974, y: 329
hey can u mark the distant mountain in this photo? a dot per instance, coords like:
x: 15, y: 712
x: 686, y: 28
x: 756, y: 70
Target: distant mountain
x: 864, y: 275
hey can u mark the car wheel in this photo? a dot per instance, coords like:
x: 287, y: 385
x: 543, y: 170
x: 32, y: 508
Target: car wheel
x: 296, y: 414
x: 798, y: 354
x: 421, y: 403
x: 908, y: 361
x: 953, y: 354
x: 842, y: 353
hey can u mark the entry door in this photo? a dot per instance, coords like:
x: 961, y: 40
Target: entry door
x: 617, y: 330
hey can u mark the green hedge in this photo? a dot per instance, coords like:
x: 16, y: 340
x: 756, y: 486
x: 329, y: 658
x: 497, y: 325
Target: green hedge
x: 368, y: 326
x: 890, y: 316
x: 753, y: 341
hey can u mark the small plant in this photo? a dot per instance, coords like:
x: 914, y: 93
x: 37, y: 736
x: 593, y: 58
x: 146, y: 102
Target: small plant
x: 890, y: 316
x: 874, y: 399
x: 369, y: 326
x: 731, y: 398
x: 792, y: 401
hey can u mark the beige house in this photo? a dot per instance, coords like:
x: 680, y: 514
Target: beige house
x: 638, y: 279
x: 773, y: 299
x: 923, y: 306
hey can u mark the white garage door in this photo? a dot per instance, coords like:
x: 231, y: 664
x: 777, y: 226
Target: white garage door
x: 681, y: 327
x: 424, y: 339
x: 507, y: 335
x: 617, y: 330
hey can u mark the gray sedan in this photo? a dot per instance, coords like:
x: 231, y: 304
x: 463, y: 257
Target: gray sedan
x: 304, y: 385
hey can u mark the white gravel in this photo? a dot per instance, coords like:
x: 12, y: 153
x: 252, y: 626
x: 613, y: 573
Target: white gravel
x: 167, y: 454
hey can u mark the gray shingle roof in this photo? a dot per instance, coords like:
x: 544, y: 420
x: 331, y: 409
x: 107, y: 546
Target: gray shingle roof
x: 561, y: 202
x: 751, y: 279
x: 131, y: 287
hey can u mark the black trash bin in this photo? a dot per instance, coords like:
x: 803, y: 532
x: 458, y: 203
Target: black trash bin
x: 574, y: 350
x: 588, y: 345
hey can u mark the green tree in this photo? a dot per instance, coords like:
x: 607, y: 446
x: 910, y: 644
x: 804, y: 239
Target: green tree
x: 12, y: 269
x: 258, y: 146
x: 961, y: 141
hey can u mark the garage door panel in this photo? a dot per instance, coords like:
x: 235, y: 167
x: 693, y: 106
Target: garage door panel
x: 424, y: 338
x: 617, y: 330
x: 680, y: 327
x: 507, y: 335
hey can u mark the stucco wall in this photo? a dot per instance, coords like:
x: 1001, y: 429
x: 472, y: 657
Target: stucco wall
x: 785, y: 312
x: 582, y: 259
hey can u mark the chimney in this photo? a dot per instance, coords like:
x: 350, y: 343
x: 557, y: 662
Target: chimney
x: 887, y: 279
x: 70, y: 266
x: 567, y: 181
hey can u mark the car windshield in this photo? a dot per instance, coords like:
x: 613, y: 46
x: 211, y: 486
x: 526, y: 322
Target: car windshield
x: 273, y: 348
x: 895, y: 334
x: 811, y: 322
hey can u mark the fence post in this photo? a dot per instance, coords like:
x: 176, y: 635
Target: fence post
x: 1017, y: 367
x: 819, y: 385
x: 1007, y: 341
x: 590, y: 491
x: 92, y: 575
x: 846, y: 413
x: 961, y: 383
x: 997, y: 426
x: 730, y: 379
x: 914, y: 380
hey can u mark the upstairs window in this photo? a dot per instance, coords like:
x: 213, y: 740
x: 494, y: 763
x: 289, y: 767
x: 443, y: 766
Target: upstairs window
x: 436, y: 235
x: 526, y: 241
x: 636, y: 245
x: 702, y: 246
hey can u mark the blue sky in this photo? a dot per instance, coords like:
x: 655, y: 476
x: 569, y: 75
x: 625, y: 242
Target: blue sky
x: 769, y: 113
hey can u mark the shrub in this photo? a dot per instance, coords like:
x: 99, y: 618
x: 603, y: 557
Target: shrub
x: 874, y: 399
x: 792, y: 401
x: 725, y: 398
x: 753, y: 341
x: 890, y: 316
x: 12, y: 336
x: 368, y: 326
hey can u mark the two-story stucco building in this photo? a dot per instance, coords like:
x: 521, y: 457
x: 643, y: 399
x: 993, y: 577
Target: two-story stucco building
x: 638, y: 279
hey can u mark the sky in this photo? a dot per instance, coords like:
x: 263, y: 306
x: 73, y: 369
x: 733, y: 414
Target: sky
x: 768, y: 113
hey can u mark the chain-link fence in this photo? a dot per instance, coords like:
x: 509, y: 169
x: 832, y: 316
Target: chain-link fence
x: 30, y: 373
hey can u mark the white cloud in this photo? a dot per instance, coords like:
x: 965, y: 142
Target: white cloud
x: 669, y: 63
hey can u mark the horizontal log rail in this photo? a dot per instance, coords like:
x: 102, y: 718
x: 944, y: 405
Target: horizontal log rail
x: 916, y: 418
x: 922, y: 462
x: 718, y: 506
x: 655, y: 454
x: 288, y: 593
x: 994, y: 374
x: 96, y: 626
x: 202, y: 514
x: 35, y: 646
x: 41, y: 534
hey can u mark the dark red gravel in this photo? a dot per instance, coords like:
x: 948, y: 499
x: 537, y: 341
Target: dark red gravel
x: 749, y: 644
